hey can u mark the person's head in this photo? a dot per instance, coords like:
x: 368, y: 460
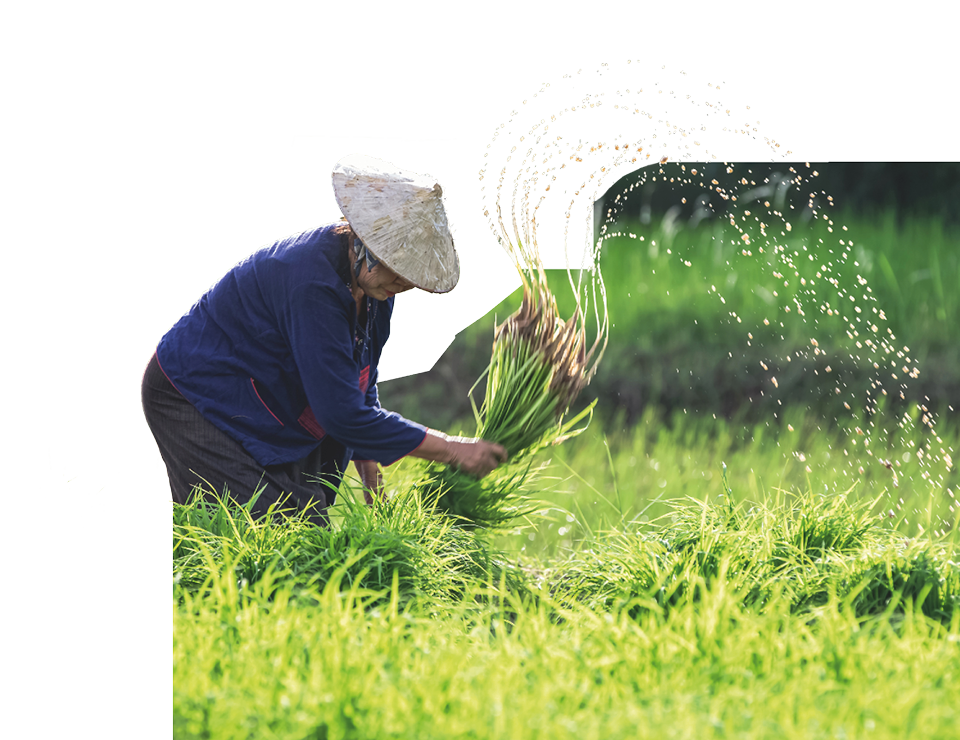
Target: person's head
x: 400, y: 227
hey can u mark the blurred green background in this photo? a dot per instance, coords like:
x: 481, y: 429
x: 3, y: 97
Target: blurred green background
x: 688, y: 307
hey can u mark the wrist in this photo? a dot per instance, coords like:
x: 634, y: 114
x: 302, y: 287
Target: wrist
x: 446, y: 453
x: 436, y: 446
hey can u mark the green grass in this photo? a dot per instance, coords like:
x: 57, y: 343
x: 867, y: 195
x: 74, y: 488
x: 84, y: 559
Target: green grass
x: 728, y: 610
x: 707, y: 668
x: 399, y: 543
x: 617, y: 473
x: 912, y: 272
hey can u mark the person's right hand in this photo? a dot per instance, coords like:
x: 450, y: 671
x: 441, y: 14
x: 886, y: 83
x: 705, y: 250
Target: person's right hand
x: 475, y: 456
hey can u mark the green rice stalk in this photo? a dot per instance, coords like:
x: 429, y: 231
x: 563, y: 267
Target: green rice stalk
x: 539, y: 364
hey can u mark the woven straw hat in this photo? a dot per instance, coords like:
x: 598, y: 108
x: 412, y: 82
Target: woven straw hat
x: 399, y: 216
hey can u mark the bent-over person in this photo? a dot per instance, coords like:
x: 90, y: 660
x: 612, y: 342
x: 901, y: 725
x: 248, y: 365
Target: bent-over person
x: 270, y: 380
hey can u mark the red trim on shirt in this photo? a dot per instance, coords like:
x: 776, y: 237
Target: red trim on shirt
x: 309, y: 422
x: 364, y: 378
x: 167, y: 376
x: 264, y: 405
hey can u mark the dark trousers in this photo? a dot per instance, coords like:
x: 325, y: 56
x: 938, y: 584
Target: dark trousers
x: 200, y: 456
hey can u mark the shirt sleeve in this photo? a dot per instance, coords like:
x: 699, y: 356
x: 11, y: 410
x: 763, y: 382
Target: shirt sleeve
x: 317, y: 325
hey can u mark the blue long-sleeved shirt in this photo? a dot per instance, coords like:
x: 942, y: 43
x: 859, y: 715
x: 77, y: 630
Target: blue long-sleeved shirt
x: 273, y: 356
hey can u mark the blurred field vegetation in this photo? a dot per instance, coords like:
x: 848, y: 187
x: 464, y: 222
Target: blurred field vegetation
x: 687, y: 311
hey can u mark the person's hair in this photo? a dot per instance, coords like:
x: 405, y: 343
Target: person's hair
x: 342, y: 229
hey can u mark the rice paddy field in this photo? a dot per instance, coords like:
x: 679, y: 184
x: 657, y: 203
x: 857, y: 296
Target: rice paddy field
x: 717, y: 556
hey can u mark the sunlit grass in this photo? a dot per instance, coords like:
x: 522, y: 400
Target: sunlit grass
x: 797, y: 617
x: 625, y: 475
x: 708, y: 668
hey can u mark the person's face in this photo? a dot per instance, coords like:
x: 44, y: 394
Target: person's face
x: 381, y: 282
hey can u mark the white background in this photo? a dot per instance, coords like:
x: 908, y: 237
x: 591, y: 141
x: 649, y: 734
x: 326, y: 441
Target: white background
x: 149, y: 147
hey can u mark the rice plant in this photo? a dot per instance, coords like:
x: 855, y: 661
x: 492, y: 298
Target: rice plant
x: 802, y: 550
x: 400, y: 541
x: 696, y: 625
x: 539, y: 364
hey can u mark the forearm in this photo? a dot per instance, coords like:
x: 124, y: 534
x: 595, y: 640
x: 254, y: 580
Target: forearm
x: 475, y: 456
x: 436, y: 446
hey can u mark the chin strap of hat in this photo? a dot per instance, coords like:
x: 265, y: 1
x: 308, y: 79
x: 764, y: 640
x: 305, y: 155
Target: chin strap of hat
x: 363, y: 254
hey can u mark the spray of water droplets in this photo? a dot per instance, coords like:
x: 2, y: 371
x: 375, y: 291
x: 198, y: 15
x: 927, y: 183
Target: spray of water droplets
x: 558, y: 154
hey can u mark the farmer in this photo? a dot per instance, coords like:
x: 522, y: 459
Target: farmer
x: 270, y: 380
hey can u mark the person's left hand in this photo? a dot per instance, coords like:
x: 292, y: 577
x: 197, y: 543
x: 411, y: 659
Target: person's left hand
x: 371, y: 478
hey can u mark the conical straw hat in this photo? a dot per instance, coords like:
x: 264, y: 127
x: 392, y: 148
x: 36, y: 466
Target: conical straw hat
x: 399, y: 216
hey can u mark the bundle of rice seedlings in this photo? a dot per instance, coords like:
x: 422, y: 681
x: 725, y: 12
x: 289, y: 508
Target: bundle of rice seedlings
x: 539, y: 365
